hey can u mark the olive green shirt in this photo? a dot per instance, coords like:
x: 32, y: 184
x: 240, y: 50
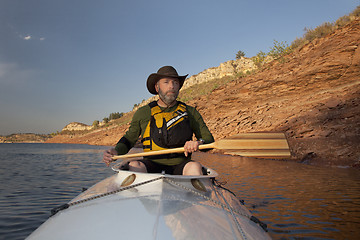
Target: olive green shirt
x: 141, y: 119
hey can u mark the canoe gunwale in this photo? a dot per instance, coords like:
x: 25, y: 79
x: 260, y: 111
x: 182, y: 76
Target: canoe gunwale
x: 210, y: 173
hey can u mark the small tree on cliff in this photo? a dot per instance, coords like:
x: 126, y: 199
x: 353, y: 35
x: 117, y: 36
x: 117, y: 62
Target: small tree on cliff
x: 115, y: 115
x: 240, y: 54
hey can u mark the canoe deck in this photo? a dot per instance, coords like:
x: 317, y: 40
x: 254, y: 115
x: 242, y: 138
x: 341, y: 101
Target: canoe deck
x: 131, y: 205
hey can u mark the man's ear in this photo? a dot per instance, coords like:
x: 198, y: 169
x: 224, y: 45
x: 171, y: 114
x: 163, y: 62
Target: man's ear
x: 157, y: 87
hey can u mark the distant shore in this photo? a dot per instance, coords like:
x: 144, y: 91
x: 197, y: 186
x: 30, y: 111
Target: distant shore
x: 25, y: 138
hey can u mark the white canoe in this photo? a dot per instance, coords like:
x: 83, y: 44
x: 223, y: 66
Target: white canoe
x: 131, y: 205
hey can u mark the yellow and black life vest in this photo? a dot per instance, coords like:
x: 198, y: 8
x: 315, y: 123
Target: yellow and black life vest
x: 167, y: 129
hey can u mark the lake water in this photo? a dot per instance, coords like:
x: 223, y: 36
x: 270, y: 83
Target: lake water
x: 296, y: 201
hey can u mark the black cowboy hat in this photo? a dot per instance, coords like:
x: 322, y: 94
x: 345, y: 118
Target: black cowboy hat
x: 166, y: 71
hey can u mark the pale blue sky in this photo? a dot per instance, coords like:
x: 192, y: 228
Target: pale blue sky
x: 80, y: 60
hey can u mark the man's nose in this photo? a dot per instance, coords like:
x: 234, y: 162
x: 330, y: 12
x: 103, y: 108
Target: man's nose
x: 172, y: 85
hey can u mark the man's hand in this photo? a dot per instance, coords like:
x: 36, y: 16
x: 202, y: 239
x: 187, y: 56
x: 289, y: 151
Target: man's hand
x: 191, y: 146
x: 107, y: 156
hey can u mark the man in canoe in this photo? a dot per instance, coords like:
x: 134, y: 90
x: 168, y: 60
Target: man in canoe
x: 164, y: 124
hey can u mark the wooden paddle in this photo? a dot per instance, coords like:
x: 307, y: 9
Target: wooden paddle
x: 264, y: 145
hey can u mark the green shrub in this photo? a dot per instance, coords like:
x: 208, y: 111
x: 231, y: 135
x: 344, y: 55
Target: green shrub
x: 342, y: 21
x: 95, y: 123
x: 298, y: 42
x: 259, y: 59
x: 320, y: 31
x: 324, y: 29
x: 279, y: 49
x: 204, y: 88
x: 356, y: 12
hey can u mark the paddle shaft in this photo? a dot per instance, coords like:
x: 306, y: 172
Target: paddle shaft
x: 161, y: 152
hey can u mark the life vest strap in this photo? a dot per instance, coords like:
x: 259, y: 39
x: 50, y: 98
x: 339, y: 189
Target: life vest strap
x: 145, y: 139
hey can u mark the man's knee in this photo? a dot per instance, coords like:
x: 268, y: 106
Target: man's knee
x: 134, y: 164
x: 192, y: 168
x: 193, y: 164
x: 137, y: 166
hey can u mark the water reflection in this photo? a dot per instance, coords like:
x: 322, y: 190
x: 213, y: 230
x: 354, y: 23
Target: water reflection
x: 295, y: 200
x: 34, y: 178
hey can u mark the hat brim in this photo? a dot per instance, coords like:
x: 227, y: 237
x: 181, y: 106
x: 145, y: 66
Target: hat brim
x: 154, y: 77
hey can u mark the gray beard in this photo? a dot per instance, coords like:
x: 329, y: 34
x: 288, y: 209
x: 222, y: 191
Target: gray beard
x: 168, y: 100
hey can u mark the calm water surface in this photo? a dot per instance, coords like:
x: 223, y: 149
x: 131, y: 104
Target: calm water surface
x: 34, y: 178
x: 296, y: 201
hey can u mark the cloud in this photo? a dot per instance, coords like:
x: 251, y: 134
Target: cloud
x: 29, y: 37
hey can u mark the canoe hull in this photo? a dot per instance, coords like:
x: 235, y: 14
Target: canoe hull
x: 132, y: 205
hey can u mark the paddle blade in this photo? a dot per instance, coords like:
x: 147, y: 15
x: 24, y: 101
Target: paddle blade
x: 251, y: 144
x: 268, y: 145
x: 273, y: 153
x: 258, y: 135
